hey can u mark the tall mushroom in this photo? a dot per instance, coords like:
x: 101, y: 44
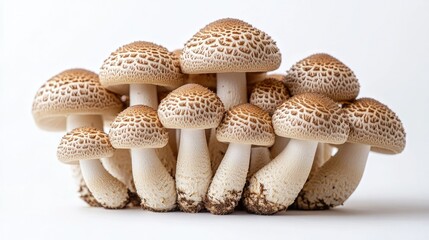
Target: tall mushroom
x: 192, y: 108
x: 306, y: 119
x: 74, y: 98
x: 137, y: 69
x: 139, y: 129
x: 243, y: 126
x: 373, y: 126
x: 87, y: 145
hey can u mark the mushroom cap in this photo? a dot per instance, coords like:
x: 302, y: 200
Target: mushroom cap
x: 74, y: 91
x: 191, y: 106
x: 140, y: 63
x: 323, y: 74
x: 374, y: 124
x: 138, y: 126
x: 311, y: 116
x: 229, y: 45
x: 246, y: 124
x: 268, y: 94
x: 84, y: 143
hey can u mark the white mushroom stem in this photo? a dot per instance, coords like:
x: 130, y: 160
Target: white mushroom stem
x: 228, y: 183
x: 102, y: 185
x: 145, y: 94
x: 109, y: 191
x: 323, y: 154
x: 154, y: 184
x: 259, y: 157
x: 193, y: 172
x: 278, y: 146
x: 232, y: 88
x: 337, y: 179
x: 274, y: 187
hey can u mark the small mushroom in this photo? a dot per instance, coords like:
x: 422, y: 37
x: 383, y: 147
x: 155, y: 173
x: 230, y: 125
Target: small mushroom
x: 242, y: 126
x: 306, y: 119
x: 192, y: 108
x: 87, y: 145
x: 138, y: 128
x: 373, y: 126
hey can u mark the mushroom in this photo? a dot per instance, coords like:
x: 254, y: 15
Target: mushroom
x: 373, y: 126
x: 137, y: 69
x: 87, y: 145
x: 268, y: 95
x: 306, y: 119
x: 139, y: 129
x: 74, y: 98
x: 242, y: 126
x: 192, y: 108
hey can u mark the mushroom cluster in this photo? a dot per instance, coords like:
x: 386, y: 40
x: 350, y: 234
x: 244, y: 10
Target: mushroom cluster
x: 208, y: 127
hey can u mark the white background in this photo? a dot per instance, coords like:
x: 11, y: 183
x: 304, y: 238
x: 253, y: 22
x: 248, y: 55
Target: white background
x: 386, y: 43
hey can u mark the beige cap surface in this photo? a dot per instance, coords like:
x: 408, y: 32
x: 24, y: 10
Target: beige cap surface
x: 323, y: 74
x: 246, y: 124
x: 268, y: 94
x: 311, y: 116
x: 85, y: 143
x: 140, y: 63
x: 373, y: 123
x: 74, y: 91
x: 191, y: 106
x: 229, y: 45
x: 138, y: 127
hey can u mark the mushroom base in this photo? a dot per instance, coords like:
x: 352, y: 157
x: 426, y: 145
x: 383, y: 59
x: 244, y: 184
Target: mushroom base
x: 188, y: 205
x: 227, y: 206
x: 256, y: 202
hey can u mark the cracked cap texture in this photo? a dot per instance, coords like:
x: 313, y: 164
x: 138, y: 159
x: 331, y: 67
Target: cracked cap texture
x: 268, y: 94
x: 230, y: 45
x: 311, y: 116
x: 323, y: 74
x: 140, y: 63
x: 138, y: 127
x: 74, y: 91
x: 84, y: 143
x: 246, y: 124
x: 191, y: 106
x: 373, y: 123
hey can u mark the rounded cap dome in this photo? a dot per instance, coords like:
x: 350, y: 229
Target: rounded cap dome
x: 191, y: 106
x: 140, y: 63
x: 311, y: 116
x: 229, y: 45
x: 323, y: 74
x: 84, y: 143
x: 138, y: 126
x: 74, y: 91
x: 268, y: 94
x: 246, y: 124
x: 373, y: 123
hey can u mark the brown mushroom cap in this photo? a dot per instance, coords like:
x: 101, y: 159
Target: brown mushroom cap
x: 323, y: 74
x: 311, y: 116
x: 74, y: 91
x: 230, y: 45
x: 191, y: 106
x: 138, y: 126
x: 85, y: 143
x: 140, y: 63
x: 268, y: 94
x: 246, y: 124
x: 373, y: 123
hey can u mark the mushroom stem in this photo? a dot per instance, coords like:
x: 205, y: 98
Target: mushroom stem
x: 278, y: 146
x: 232, y: 88
x: 259, y: 157
x: 145, y: 94
x: 228, y: 183
x: 107, y: 190
x: 193, y: 172
x: 154, y: 184
x: 336, y: 180
x: 275, y: 186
